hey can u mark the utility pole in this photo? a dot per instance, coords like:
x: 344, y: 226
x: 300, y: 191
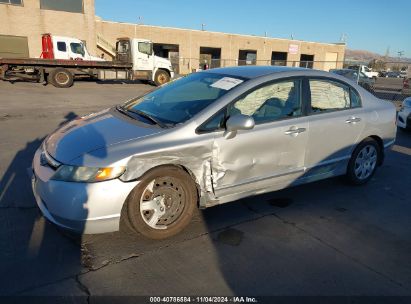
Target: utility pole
x: 387, y: 52
x: 140, y: 19
x: 202, y: 26
x: 400, y: 54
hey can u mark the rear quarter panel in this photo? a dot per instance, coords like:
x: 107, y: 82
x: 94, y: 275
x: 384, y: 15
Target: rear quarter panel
x: 381, y: 120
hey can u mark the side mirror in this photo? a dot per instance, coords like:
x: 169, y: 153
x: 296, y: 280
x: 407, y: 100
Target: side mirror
x: 238, y: 122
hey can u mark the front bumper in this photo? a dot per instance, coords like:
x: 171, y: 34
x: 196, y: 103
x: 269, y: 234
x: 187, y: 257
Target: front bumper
x: 80, y: 207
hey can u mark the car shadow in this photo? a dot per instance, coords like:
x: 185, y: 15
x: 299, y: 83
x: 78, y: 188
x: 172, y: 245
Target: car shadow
x: 34, y: 253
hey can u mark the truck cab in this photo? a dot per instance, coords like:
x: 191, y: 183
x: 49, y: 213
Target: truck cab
x: 146, y: 65
x: 65, y: 48
x: 365, y: 70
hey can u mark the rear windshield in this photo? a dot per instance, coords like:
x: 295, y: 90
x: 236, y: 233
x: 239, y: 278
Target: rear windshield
x: 182, y: 99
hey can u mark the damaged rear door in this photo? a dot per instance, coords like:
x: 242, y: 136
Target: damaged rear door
x: 272, y: 154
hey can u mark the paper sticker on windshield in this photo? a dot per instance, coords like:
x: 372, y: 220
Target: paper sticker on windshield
x: 226, y: 83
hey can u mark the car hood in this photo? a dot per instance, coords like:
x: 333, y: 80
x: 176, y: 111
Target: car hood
x: 96, y: 131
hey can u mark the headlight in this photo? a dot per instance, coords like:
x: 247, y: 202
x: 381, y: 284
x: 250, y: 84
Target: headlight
x: 86, y: 174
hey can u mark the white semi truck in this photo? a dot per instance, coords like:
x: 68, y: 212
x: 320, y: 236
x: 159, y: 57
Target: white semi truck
x: 64, y: 58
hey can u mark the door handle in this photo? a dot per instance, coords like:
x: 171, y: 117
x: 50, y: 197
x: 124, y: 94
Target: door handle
x: 294, y: 131
x: 353, y: 120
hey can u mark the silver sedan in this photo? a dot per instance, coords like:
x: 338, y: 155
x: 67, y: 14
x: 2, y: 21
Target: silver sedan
x: 207, y: 139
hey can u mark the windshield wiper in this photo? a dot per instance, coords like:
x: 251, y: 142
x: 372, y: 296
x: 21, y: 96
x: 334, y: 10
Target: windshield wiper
x: 123, y: 111
x: 147, y: 116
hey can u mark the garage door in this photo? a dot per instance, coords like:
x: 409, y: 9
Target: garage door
x: 330, y: 61
x: 13, y: 47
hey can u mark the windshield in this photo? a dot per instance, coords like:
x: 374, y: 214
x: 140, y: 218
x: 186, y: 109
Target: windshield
x: 180, y: 100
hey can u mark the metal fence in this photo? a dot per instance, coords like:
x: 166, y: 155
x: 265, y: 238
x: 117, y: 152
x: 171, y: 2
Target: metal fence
x: 386, y: 80
x: 188, y: 65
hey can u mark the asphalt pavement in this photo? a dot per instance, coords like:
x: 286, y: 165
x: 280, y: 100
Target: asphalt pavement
x: 321, y: 239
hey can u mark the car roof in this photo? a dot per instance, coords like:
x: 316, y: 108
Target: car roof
x: 251, y: 72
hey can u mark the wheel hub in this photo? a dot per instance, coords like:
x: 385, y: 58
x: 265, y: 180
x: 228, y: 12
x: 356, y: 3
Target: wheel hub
x: 162, y: 202
x: 161, y: 79
x: 365, y: 162
x: 62, y: 78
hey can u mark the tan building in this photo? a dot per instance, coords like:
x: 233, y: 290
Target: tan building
x: 21, y: 26
x: 22, y: 22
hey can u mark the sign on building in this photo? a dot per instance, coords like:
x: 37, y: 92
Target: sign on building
x: 293, y: 49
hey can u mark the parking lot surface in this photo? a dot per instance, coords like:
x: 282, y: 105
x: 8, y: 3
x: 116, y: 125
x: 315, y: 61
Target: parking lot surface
x: 326, y: 238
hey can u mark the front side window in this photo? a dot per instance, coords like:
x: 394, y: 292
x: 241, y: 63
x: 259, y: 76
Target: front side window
x: 271, y: 102
x: 328, y: 96
x: 77, y: 48
x: 61, y: 46
x: 145, y: 48
x: 182, y: 99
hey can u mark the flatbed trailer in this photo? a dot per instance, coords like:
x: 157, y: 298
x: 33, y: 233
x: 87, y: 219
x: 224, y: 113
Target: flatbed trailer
x: 60, y: 72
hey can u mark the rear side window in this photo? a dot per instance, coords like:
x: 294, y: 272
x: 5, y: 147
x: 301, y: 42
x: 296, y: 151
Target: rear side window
x: 355, y: 99
x: 61, y: 46
x: 329, y: 96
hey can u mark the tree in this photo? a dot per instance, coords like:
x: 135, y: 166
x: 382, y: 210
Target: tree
x: 377, y: 64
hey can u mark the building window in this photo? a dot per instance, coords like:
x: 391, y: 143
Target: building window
x: 72, y: 6
x: 307, y: 61
x: 279, y: 58
x: 247, y: 57
x: 210, y: 58
x: 13, y: 2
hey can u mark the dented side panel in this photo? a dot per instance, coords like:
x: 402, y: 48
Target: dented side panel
x: 258, y: 154
x: 196, y: 158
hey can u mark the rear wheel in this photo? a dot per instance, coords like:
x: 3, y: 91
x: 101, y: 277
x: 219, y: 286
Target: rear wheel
x: 161, y: 77
x: 364, y: 162
x: 61, y: 78
x: 163, y: 203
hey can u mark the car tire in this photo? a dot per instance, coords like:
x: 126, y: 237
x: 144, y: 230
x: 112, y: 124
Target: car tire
x: 61, y: 78
x: 163, y: 203
x: 363, y: 162
x: 161, y: 77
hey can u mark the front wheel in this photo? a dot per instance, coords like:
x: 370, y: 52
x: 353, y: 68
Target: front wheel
x: 363, y: 162
x: 163, y: 203
x: 161, y: 77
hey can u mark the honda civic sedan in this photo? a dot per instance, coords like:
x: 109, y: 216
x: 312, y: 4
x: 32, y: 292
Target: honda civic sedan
x: 206, y: 139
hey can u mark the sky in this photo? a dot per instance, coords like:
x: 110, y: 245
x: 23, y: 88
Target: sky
x: 372, y: 25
